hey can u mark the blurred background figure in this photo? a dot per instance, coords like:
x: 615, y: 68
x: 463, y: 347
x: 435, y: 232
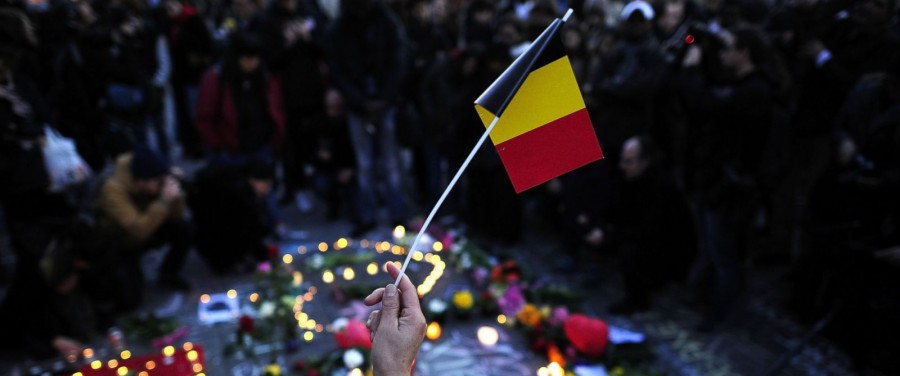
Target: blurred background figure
x: 232, y: 237
x: 368, y: 31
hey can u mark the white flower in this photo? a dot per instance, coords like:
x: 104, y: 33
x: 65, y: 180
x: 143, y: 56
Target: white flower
x: 317, y: 261
x: 339, y: 324
x: 437, y: 306
x: 466, y: 261
x: 353, y: 358
x: 266, y: 309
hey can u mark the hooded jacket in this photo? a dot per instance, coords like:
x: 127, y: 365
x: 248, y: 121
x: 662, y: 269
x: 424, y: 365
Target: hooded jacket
x: 137, y: 216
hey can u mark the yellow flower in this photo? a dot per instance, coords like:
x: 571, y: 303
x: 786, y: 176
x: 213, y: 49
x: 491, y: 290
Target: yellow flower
x: 273, y: 370
x: 463, y: 300
x: 529, y: 315
x: 545, y: 311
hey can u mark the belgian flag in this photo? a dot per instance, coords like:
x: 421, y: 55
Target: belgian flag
x: 543, y: 129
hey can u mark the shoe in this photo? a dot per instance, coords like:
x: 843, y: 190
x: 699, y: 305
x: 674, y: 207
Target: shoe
x: 361, y: 229
x: 176, y: 283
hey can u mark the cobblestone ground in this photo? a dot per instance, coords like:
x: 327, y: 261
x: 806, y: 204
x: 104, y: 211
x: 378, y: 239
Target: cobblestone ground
x: 759, y: 337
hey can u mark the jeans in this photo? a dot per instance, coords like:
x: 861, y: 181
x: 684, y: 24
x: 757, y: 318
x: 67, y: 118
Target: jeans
x: 723, y: 253
x: 377, y: 152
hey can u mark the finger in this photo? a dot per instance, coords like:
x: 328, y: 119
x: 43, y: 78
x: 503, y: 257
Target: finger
x: 371, y: 321
x: 409, y: 298
x: 375, y: 297
x: 405, y: 283
x: 390, y: 308
x: 375, y: 318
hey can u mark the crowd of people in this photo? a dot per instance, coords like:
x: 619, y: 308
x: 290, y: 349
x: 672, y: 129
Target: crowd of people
x: 735, y: 131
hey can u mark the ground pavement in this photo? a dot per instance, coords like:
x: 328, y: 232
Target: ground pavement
x: 760, y: 337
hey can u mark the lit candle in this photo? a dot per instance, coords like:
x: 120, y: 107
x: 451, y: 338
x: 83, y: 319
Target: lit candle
x: 488, y: 335
x: 433, y: 332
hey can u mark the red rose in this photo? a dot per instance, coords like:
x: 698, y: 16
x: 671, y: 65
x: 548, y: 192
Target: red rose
x: 299, y: 365
x: 355, y: 334
x: 246, y: 324
x: 312, y: 372
x: 588, y: 335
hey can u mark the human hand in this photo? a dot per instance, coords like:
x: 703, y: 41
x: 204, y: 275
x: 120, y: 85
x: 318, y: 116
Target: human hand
x: 692, y: 57
x: 171, y: 190
x: 345, y: 175
x: 398, y: 329
x: 177, y: 172
x: 595, y: 237
x: 66, y: 346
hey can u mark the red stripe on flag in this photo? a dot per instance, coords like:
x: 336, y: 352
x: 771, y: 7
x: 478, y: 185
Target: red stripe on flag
x: 550, y: 150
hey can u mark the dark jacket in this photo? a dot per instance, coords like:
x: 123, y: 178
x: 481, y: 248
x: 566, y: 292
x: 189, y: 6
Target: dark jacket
x: 298, y: 64
x: 735, y: 123
x: 191, y: 46
x: 228, y: 216
x: 365, y: 57
x: 124, y: 211
x: 218, y: 117
x: 623, y: 90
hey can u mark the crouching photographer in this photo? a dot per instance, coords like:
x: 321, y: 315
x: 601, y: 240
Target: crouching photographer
x: 142, y: 206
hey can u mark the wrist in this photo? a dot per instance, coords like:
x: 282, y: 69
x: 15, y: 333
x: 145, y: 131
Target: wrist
x: 378, y: 371
x: 392, y: 369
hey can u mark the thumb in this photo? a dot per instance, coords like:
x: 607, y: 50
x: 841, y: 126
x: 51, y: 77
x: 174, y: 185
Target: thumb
x: 390, y: 308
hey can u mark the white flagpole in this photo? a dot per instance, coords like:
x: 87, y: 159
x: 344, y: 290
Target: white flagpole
x: 443, y: 197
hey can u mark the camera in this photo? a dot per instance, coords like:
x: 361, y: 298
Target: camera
x: 691, y: 33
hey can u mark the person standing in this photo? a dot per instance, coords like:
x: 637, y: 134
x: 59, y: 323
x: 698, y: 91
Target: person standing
x: 366, y: 65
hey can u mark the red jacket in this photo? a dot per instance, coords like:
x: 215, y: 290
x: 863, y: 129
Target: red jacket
x: 220, y: 132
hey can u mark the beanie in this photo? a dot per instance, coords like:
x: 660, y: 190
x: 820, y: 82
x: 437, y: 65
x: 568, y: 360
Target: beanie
x: 637, y: 6
x: 148, y: 164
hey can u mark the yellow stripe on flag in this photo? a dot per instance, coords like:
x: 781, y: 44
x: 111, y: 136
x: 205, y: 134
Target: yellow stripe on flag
x: 548, y: 93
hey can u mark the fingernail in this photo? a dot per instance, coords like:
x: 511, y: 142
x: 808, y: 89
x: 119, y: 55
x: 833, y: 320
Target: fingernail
x: 390, y: 290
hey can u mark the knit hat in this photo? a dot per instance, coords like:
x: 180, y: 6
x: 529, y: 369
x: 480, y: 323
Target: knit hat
x: 148, y: 164
x: 637, y: 6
